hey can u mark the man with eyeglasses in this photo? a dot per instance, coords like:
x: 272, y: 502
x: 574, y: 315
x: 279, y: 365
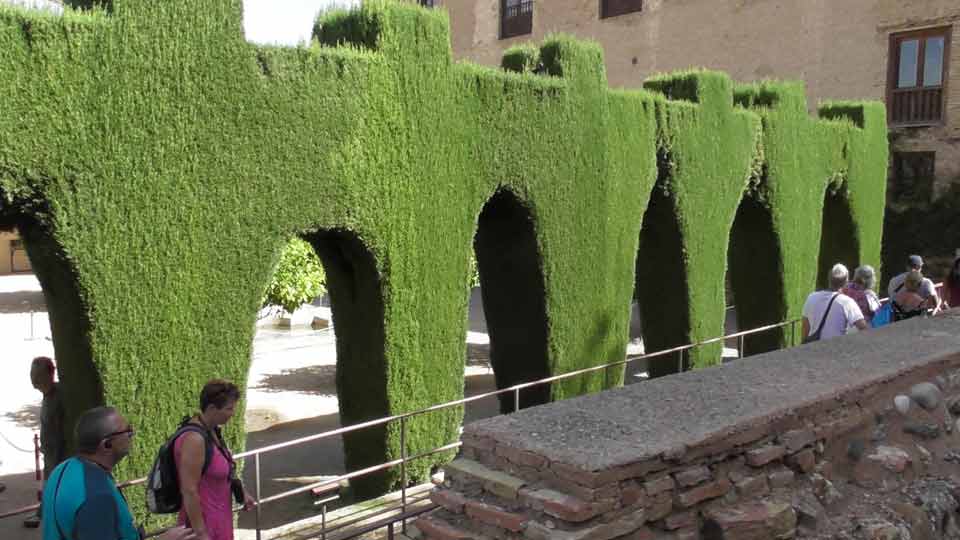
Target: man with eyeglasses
x: 81, y: 500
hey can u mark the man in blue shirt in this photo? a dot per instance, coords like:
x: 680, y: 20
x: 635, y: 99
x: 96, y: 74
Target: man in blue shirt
x: 81, y: 500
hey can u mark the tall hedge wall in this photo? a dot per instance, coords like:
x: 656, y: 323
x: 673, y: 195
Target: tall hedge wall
x: 809, y: 176
x: 157, y: 164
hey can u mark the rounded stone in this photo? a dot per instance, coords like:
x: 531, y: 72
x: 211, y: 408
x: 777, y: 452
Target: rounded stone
x: 926, y: 394
x: 902, y: 403
x: 953, y: 405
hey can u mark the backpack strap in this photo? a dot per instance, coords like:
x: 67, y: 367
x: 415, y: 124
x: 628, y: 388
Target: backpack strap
x: 208, y: 443
x: 825, y: 313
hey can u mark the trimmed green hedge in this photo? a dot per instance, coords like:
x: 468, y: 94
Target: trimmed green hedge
x: 158, y: 164
x: 810, y: 174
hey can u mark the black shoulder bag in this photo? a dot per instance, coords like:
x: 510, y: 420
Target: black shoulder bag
x: 816, y: 335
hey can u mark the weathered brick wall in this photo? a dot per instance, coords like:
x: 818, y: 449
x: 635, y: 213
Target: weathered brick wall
x: 839, y: 49
x: 758, y: 449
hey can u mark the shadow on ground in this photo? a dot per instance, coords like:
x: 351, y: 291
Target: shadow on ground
x: 28, y: 416
x: 314, y: 461
x: 318, y: 380
x: 21, y: 491
x: 291, y: 467
x: 22, y: 302
x: 478, y: 354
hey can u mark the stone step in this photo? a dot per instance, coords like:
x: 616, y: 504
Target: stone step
x: 469, y: 474
x: 434, y: 529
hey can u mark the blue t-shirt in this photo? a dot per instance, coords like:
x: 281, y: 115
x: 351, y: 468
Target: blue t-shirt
x: 81, y: 502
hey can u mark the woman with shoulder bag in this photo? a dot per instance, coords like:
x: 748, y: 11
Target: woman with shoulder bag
x: 206, y: 469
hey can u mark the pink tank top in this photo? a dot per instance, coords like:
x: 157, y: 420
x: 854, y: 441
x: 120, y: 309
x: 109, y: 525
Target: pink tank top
x: 215, y: 496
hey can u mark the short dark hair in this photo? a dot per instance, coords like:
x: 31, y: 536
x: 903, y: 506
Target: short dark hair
x: 218, y: 393
x: 44, y: 361
x: 94, y: 426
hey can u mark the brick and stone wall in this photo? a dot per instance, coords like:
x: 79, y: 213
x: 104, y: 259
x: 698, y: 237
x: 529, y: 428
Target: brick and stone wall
x: 852, y: 436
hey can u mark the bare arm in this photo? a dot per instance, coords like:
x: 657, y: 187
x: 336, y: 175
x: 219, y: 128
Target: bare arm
x: 178, y: 533
x: 189, y: 470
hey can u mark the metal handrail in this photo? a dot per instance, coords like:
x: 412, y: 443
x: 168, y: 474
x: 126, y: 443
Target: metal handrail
x: 402, y: 418
x: 515, y: 389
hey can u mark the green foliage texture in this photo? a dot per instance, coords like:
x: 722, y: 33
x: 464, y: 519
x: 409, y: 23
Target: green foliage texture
x: 298, y: 278
x: 157, y: 164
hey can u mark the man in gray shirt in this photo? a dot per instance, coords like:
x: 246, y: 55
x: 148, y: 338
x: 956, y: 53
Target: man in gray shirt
x: 53, y: 444
x: 927, y: 289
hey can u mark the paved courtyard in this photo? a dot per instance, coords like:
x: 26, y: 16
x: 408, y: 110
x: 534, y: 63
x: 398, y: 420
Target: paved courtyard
x: 291, y: 393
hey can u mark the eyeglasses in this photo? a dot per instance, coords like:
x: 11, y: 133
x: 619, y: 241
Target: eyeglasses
x: 128, y: 432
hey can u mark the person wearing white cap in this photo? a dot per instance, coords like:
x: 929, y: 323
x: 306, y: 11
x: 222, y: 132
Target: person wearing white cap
x: 830, y: 313
x: 927, y: 290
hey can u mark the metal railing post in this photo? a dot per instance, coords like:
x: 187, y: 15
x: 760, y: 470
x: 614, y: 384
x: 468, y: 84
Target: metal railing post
x: 403, y: 474
x: 740, y: 346
x: 680, y: 361
x: 323, y: 522
x: 256, y: 467
x: 516, y: 399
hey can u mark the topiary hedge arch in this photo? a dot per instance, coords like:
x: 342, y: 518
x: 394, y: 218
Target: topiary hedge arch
x: 157, y: 163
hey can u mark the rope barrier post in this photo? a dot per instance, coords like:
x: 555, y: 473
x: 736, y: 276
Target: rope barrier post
x: 39, y: 471
x: 516, y: 399
x: 740, y: 345
x: 403, y: 475
x: 36, y: 456
x: 256, y: 468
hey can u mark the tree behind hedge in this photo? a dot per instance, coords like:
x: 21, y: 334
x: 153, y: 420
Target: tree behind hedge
x: 298, y: 278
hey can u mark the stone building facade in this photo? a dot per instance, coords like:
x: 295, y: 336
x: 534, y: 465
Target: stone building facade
x: 13, y: 256
x: 904, y: 53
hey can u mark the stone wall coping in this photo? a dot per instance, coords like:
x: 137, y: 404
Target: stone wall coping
x: 663, y: 417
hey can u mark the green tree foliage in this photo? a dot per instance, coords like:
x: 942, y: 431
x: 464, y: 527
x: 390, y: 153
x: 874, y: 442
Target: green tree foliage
x: 157, y: 163
x: 298, y: 279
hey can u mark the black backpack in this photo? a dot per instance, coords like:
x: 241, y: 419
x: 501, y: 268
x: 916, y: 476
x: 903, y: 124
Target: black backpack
x: 163, y: 483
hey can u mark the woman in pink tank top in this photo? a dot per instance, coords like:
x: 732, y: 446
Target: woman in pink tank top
x: 207, y: 494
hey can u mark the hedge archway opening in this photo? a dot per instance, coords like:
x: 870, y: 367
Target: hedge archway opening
x: 838, y: 236
x: 356, y: 301
x: 68, y: 314
x: 661, y: 278
x: 512, y: 289
x: 755, y: 274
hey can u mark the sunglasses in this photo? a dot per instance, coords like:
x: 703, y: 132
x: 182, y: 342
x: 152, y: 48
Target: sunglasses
x: 128, y: 432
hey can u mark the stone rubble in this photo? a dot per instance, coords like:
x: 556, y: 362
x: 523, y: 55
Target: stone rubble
x: 861, y: 467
